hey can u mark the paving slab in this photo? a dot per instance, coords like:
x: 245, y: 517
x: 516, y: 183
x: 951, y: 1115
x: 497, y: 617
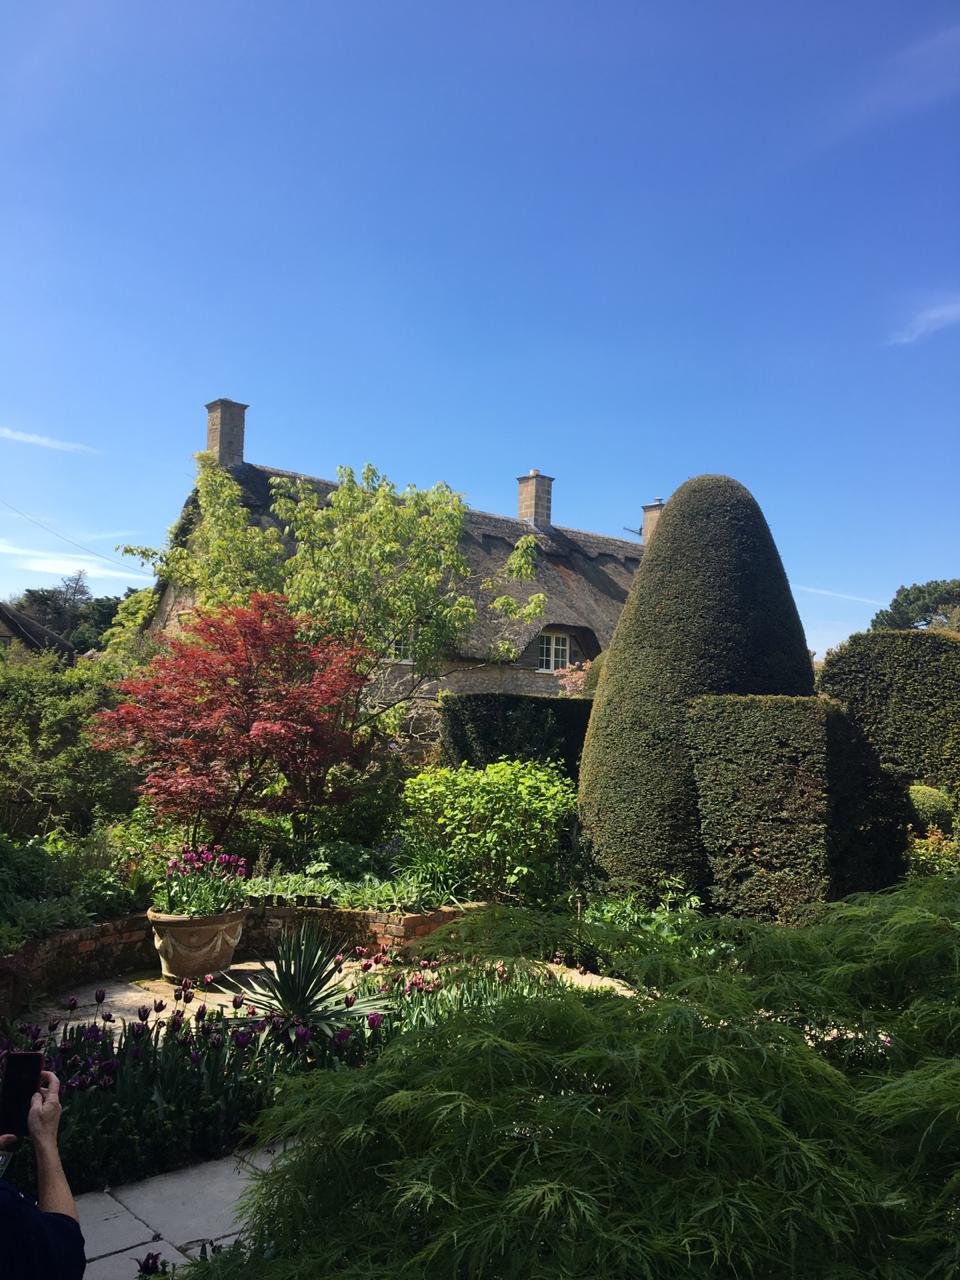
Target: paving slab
x: 108, y: 1227
x: 193, y: 1204
x: 123, y: 1266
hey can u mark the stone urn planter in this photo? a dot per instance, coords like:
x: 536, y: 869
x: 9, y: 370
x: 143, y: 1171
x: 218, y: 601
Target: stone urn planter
x: 190, y: 946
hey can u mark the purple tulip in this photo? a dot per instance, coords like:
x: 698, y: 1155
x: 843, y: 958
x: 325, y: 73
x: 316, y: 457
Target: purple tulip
x: 303, y: 1034
x: 138, y: 1030
x: 100, y: 995
x: 350, y: 1000
x: 201, y: 1012
x: 261, y: 1026
x: 178, y: 993
x: 186, y: 983
x: 374, y: 1020
x: 237, y: 1001
x: 176, y: 1018
x: 242, y: 1038
x: 159, y: 1006
x: 342, y: 1036
x: 107, y: 1016
x: 143, y: 1013
x: 72, y: 1004
x: 187, y: 997
x: 92, y: 1033
x: 216, y: 1040
x: 207, y: 979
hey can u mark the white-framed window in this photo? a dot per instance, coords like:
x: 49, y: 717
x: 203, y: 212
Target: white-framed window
x: 553, y: 653
x: 400, y: 650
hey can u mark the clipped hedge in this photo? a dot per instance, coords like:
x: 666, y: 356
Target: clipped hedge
x: 709, y: 612
x: 480, y: 728
x: 902, y: 688
x: 794, y: 808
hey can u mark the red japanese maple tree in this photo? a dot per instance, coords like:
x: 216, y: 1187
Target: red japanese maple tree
x: 240, y: 713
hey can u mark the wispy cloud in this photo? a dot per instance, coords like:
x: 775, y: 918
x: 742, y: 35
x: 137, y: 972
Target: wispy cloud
x: 926, y: 321
x: 837, y: 595
x: 44, y: 442
x: 916, y: 78
x: 63, y: 563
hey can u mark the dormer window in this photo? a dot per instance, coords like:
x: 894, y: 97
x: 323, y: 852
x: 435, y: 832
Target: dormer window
x: 554, y: 651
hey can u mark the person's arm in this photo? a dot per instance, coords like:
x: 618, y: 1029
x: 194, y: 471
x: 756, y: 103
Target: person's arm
x: 54, y: 1194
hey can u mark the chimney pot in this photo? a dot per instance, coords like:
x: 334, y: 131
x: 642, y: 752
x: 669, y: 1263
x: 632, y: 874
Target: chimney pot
x: 651, y: 514
x: 225, y: 424
x: 534, y: 498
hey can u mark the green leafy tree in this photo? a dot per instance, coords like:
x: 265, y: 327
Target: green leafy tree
x: 379, y: 568
x: 925, y: 604
x: 51, y: 775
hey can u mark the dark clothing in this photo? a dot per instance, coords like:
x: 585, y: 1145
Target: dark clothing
x: 35, y: 1245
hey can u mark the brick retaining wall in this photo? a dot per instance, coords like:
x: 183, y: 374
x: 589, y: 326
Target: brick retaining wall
x: 117, y: 947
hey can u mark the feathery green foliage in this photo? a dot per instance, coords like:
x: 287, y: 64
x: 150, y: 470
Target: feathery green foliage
x: 710, y: 612
x: 773, y: 1102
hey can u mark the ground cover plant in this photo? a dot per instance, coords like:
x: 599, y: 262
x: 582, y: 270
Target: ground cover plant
x: 770, y: 1101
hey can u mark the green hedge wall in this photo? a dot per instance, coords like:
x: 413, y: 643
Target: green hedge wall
x: 902, y: 688
x: 479, y: 728
x: 794, y: 807
x: 709, y: 612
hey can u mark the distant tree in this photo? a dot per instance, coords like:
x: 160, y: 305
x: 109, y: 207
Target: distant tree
x: 925, y: 604
x: 57, y: 608
x: 240, y: 714
x: 71, y: 611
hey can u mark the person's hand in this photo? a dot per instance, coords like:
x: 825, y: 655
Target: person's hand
x: 44, y: 1117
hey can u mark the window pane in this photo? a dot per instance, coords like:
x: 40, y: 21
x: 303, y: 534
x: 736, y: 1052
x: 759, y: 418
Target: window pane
x: 544, y: 654
x: 559, y: 652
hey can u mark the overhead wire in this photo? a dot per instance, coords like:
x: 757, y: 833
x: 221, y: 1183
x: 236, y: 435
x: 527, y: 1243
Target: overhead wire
x: 63, y: 537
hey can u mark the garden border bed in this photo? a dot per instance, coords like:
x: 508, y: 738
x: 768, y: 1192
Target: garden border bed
x: 113, y: 948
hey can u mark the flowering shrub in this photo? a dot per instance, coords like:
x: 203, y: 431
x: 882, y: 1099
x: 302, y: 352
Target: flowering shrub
x: 573, y: 679
x: 202, y: 883
x: 935, y: 855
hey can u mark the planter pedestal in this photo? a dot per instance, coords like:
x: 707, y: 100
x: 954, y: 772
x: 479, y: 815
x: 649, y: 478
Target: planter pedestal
x: 191, y: 946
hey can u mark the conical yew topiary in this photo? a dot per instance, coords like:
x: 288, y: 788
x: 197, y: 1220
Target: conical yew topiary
x: 710, y: 612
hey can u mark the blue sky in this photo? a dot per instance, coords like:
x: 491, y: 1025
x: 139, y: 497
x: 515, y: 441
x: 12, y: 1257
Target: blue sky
x: 624, y: 243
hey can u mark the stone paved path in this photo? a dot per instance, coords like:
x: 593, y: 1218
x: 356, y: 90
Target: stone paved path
x: 172, y: 1214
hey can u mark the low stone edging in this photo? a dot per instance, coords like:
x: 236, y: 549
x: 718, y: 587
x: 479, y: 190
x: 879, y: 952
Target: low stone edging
x: 115, y: 947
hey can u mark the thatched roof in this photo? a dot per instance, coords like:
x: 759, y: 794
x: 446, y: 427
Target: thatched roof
x: 32, y: 634
x: 585, y: 576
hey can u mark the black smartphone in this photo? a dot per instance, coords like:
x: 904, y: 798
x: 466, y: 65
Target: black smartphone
x: 21, y: 1079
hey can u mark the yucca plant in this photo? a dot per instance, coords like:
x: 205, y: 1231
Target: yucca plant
x: 306, y: 987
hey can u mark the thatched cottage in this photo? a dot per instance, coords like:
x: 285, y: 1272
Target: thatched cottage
x: 584, y: 576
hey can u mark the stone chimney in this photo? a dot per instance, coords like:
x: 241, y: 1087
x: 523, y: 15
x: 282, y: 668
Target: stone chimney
x: 534, y: 498
x: 651, y: 514
x: 225, y: 431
